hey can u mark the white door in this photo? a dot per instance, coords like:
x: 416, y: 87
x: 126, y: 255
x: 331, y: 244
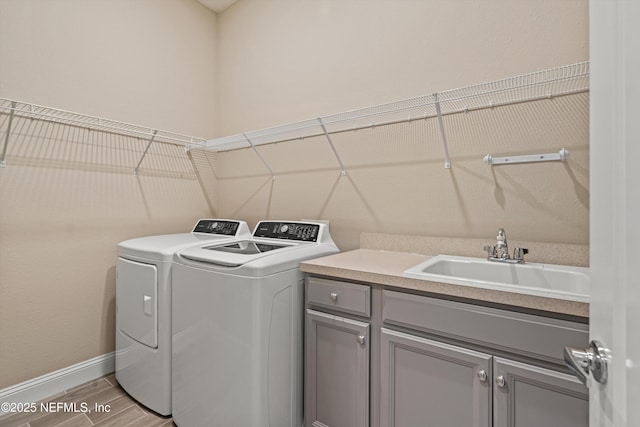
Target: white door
x: 615, y: 208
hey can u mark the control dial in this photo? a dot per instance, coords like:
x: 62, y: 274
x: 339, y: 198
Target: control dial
x: 284, y: 228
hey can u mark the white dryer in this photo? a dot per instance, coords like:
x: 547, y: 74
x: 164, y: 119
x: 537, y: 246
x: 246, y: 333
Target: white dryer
x: 143, y: 308
x: 238, y: 327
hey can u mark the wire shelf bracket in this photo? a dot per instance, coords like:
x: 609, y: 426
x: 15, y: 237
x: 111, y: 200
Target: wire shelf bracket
x: 560, y: 156
x: 135, y: 171
x: 443, y: 135
x: 273, y: 176
x: 3, y: 162
x: 343, y: 172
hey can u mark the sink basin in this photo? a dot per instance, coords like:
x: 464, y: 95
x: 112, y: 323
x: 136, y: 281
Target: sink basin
x: 545, y: 280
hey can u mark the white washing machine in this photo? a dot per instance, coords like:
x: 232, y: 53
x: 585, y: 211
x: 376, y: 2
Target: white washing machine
x: 143, y: 308
x: 238, y: 327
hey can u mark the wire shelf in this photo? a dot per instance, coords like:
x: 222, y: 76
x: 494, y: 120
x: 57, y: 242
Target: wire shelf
x: 560, y: 81
x: 54, y: 115
x: 11, y: 109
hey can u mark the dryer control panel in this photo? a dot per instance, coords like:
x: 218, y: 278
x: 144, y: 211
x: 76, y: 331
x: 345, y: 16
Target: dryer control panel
x: 216, y: 226
x: 288, y: 231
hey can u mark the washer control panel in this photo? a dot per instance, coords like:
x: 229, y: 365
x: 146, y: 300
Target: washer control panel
x: 288, y: 231
x: 216, y: 226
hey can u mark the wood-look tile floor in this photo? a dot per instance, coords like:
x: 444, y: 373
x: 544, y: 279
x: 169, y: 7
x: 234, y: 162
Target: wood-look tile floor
x: 122, y: 409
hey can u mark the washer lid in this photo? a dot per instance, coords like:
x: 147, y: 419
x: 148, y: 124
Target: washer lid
x: 234, y: 254
x: 246, y: 247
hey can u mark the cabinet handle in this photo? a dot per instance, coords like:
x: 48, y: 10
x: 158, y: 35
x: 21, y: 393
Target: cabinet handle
x: 482, y: 375
x: 502, y: 383
x: 334, y: 296
x: 361, y: 339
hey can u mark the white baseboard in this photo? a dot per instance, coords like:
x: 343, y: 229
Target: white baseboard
x: 50, y: 384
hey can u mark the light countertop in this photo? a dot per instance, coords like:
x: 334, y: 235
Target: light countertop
x: 386, y: 268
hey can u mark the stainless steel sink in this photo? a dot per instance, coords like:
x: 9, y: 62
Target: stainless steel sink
x: 546, y: 280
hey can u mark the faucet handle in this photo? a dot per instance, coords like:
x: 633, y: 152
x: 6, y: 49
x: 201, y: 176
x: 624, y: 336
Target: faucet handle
x: 491, y: 251
x: 519, y: 253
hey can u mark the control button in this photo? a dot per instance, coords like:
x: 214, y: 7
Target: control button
x: 284, y: 228
x: 214, y: 225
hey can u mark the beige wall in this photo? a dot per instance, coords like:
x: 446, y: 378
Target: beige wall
x: 283, y: 61
x: 289, y: 60
x: 68, y: 196
x: 151, y: 63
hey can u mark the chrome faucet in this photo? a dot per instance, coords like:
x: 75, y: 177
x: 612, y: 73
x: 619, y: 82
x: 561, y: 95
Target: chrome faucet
x: 500, y: 252
x: 502, y: 248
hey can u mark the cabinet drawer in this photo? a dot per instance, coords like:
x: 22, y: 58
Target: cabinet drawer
x: 346, y: 297
x: 520, y: 333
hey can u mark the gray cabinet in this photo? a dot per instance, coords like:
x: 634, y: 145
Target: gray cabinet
x: 530, y: 396
x: 434, y: 362
x: 449, y: 385
x: 336, y: 371
x: 428, y: 383
x: 337, y: 354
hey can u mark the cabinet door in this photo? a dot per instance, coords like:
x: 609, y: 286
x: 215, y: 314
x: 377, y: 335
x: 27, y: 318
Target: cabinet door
x: 337, y: 371
x: 428, y: 383
x: 529, y: 396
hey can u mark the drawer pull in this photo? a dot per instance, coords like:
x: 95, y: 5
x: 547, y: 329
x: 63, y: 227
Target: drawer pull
x: 502, y: 383
x: 334, y: 296
x: 361, y: 339
x: 482, y: 376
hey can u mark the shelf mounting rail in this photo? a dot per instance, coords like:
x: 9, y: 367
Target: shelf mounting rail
x: 560, y: 156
